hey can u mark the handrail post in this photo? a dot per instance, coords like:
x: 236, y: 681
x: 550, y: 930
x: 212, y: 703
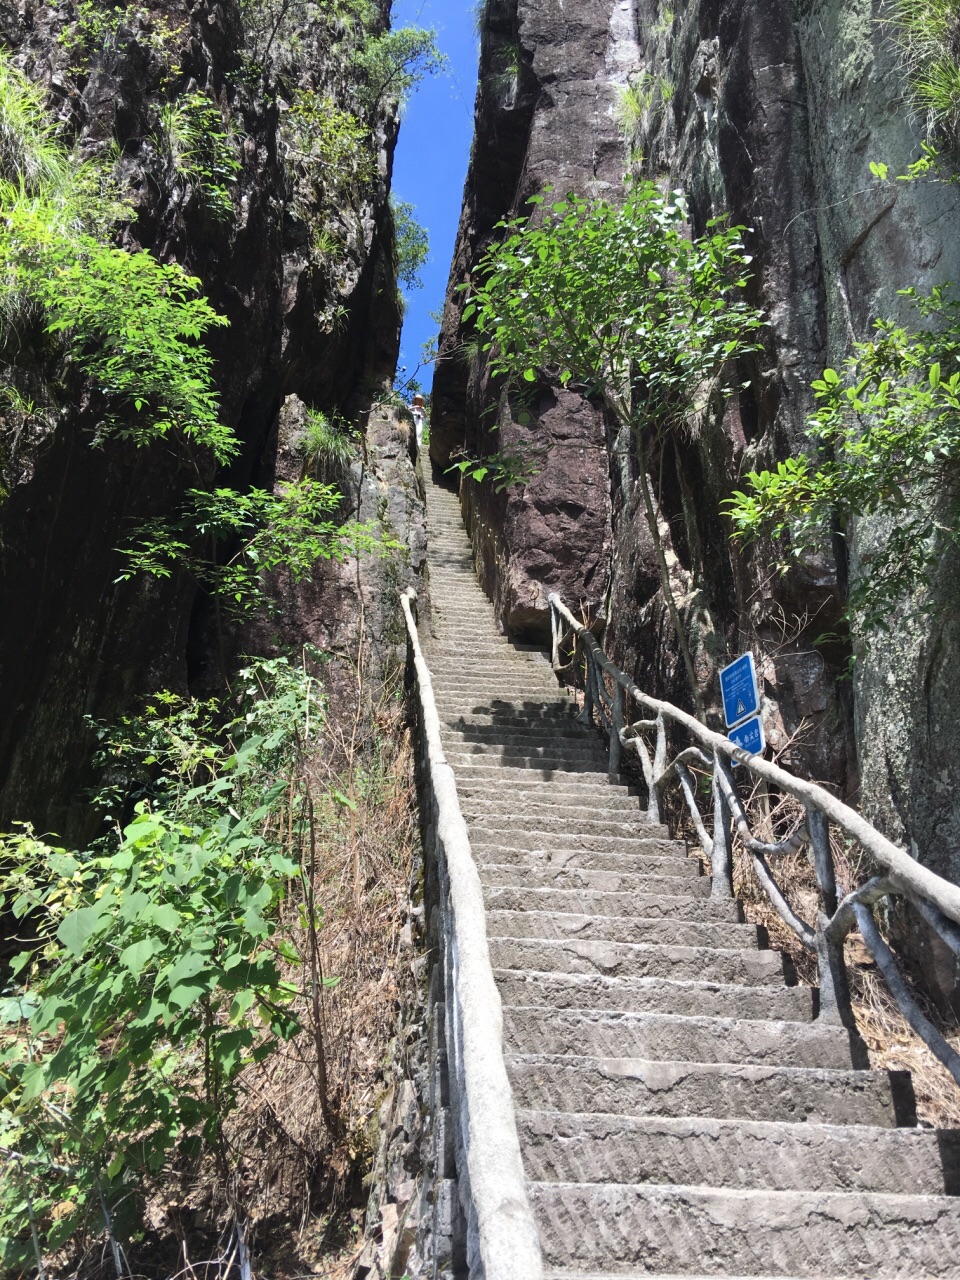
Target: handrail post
x: 722, y: 856
x: 616, y: 728
x: 654, y: 798
x: 586, y: 715
x: 554, y: 637
x: 835, y: 1006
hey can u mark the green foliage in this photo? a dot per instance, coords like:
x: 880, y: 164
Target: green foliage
x: 515, y: 466
x: 619, y: 303
x: 413, y: 244
x: 322, y: 136
x: 230, y: 542
x: 635, y: 101
x: 126, y: 321
x: 29, y: 151
x: 391, y: 65
x: 328, y: 447
x: 279, y: 28
x: 130, y: 323
x: 154, y: 976
x: 98, y: 26
x: 200, y: 151
x: 927, y: 33
x: 888, y: 427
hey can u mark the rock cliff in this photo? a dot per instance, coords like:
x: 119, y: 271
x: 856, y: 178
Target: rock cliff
x: 308, y: 285
x: 771, y: 111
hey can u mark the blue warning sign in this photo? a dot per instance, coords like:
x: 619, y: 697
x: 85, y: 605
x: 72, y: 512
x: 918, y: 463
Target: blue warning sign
x: 738, y: 685
x: 749, y: 736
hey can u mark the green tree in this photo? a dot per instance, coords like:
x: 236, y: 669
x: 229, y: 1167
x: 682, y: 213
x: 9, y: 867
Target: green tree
x: 887, y: 431
x: 413, y: 244
x: 620, y: 303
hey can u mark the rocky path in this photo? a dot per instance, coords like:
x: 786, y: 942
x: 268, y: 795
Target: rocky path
x: 680, y: 1111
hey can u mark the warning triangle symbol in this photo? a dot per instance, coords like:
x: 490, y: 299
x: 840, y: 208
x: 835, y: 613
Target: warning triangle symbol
x: 741, y: 709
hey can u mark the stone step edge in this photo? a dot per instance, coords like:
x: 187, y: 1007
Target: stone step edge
x: 751, y: 1194
x: 634, y: 1068
x: 757, y: 1128
x: 666, y: 921
x: 583, y: 979
x: 646, y: 1275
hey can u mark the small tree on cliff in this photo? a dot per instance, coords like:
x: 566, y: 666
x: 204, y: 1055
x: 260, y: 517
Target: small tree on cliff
x: 620, y: 304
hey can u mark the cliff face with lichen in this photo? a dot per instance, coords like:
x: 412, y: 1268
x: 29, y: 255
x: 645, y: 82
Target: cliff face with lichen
x: 308, y: 285
x: 771, y: 111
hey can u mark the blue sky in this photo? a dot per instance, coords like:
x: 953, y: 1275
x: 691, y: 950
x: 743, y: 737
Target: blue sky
x: 432, y: 155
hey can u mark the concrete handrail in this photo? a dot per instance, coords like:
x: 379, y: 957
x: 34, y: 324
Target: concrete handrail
x: 507, y: 1244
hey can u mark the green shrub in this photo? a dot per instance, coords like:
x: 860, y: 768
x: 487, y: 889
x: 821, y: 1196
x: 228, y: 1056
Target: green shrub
x: 200, y: 151
x: 620, y: 303
x: 328, y: 447
x: 927, y: 33
x: 156, y: 974
x: 887, y: 427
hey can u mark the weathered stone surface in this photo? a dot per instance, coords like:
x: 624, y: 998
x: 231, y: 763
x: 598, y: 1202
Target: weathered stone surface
x: 75, y: 641
x: 738, y: 1153
x: 812, y: 1234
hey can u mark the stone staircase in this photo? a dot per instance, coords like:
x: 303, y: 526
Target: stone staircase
x: 680, y: 1112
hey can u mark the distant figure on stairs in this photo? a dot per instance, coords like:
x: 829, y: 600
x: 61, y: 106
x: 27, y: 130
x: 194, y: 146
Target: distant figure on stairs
x: 418, y: 407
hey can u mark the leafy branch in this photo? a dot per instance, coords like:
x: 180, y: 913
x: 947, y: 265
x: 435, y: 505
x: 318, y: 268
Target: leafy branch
x: 887, y: 427
x: 621, y: 304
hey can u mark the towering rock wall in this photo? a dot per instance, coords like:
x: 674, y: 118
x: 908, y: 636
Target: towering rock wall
x: 309, y: 289
x: 771, y: 111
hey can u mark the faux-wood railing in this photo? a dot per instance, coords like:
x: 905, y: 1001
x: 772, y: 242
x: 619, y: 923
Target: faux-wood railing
x: 608, y: 693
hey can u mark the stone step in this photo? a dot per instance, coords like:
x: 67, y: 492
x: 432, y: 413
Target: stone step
x: 594, y: 879
x: 680, y: 1228
x: 555, y: 749
x: 603, y: 797
x: 623, y: 816
x: 743, y: 967
x: 562, y: 1147
x: 645, y: 1275
x: 502, y: 684
x: 492, y: 767
x: 461, y: 696
x: 495, y: 646
x: 567, y: 830
x: 495, y: 665
x: 597, y: 789
x: 486, y: 759
x: 486, y: 726
x: 664, y: 931
x: 596, y: 1033
x: 692, y: 905
x: 569, y: 733
x: 470, y: 667
x: 561, y: 708
x: 638, y: 1087
x: 535, y: 862
x: 484, y: 830
x: 656, y: 995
